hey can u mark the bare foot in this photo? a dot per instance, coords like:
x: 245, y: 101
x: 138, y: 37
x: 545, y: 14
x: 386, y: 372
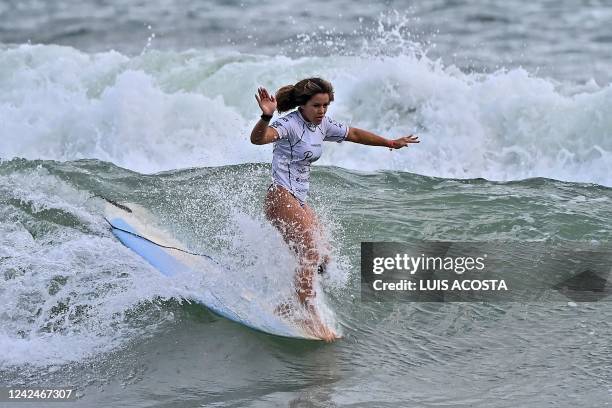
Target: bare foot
x: 317, y: 328
x: 312, y: 323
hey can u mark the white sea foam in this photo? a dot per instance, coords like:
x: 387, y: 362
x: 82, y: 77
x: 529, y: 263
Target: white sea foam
x: 68, y: 291
x: 65, y: 292
x: 166, y: 110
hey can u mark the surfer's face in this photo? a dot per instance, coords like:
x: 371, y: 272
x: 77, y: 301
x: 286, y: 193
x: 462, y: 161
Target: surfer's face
x: 314, y: 110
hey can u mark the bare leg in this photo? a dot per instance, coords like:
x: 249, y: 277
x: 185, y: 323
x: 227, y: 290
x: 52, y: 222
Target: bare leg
x: 323, y: 246
x: 297, y: 227
x: 299, y: 230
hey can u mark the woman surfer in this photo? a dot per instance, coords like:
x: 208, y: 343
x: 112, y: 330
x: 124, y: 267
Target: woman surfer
x: 297, y: 139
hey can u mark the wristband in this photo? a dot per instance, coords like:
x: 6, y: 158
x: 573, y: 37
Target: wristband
x: 392, y: 144
x: 266, y: 118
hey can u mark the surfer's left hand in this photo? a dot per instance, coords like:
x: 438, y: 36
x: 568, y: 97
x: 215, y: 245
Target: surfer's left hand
x: 404, y: 141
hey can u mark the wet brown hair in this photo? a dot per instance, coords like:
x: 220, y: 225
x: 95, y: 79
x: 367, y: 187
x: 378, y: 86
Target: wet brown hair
x: 292, y: 96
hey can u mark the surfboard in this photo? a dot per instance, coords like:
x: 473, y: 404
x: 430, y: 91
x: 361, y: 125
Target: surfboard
x: 138, y: 230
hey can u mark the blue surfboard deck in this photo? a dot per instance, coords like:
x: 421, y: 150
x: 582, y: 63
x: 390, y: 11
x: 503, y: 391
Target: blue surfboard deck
x: 124, y: 227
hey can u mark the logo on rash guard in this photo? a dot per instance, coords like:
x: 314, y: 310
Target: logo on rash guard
x: 333, y: 122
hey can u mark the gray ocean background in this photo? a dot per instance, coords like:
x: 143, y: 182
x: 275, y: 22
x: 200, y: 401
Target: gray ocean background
x: 152, y: 103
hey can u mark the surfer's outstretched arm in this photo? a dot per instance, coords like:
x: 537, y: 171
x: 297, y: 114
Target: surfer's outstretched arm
x: 364, y: 137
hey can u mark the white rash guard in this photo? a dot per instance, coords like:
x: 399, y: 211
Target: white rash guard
x: 299, y: 144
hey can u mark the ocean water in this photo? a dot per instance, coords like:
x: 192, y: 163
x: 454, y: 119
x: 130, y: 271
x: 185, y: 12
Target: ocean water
x: 152, y: 103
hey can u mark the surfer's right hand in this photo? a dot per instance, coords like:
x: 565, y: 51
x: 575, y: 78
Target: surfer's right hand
x: 266, y: 102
